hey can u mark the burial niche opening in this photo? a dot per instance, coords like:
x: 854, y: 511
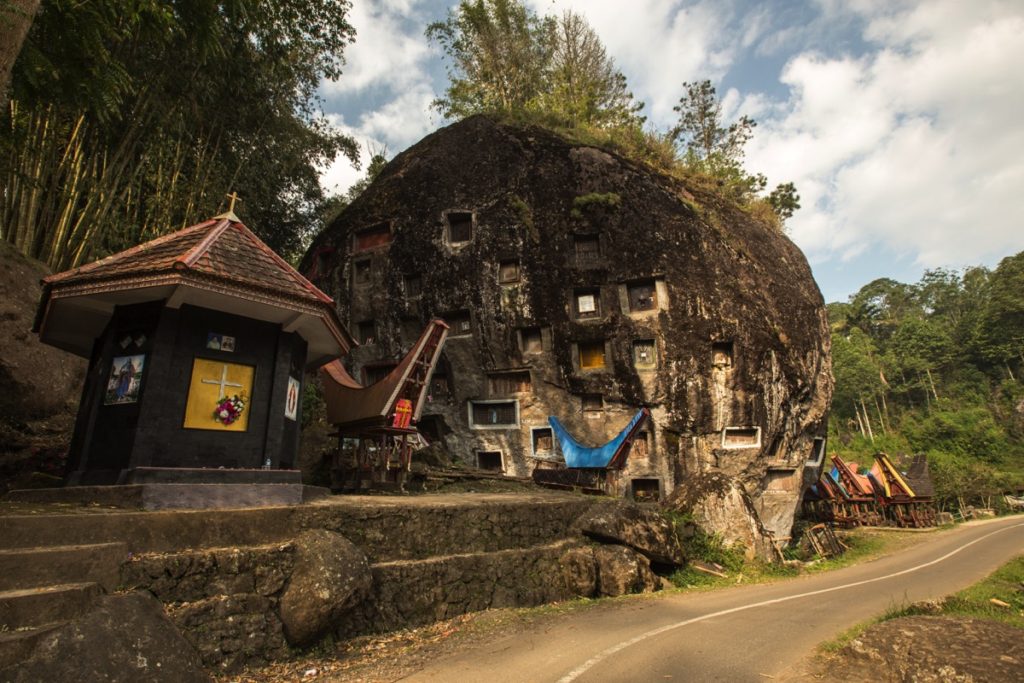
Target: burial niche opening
x: 490, y: 461
x: 508, y: 272
x: 361, y: 272
x: 459, y: 323
x: 641, y: 445
x: 817, y: 452
x: 592, y: 406
x: 440, y: 388
x: 530, y: 340
x: 460, y: 227
x: 741, y: 437
x: 432, y: 427
x: 413, y: 286
x: 493, y: 414
x: 643, y: 296
x: 592, y: 356
x: 506, y: 383
x: 587, y: 249
x: 587, y: 303
x: 645, y: 355
x: 542, y: 442
x: 721, y: 354
x: 371, y: 238
x: 646, y: 489
x: 375, y: 372
x: 366, y: 331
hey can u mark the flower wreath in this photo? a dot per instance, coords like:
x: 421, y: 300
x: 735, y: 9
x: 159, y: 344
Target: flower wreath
x: 229, y: 409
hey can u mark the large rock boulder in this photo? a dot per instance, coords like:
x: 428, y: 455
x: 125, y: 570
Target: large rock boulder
x: 539, y: 250
x: 622, y: 570
x: 41, y: 384
x: 720, y: 505
x: 124, y: 638
x: 331, y: 575
x: 643, y: 530
x: 579, y: 571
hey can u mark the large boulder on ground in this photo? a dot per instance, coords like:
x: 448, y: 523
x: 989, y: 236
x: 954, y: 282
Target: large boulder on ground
x: 622, y: 570
x: 123, y: 638
x: 720, y: 505
x: 579, y: 571
x: 643, y: 530
x: 331, y: 575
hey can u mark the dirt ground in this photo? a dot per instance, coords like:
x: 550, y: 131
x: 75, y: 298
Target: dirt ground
x: 926, y: 649
x: 392, y: 656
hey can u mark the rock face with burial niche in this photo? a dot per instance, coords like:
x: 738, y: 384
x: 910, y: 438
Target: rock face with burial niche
x: 583, y: 285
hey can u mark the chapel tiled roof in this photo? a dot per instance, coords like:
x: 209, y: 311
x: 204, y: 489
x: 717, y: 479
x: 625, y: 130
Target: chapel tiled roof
x: 218, y: 264
x: 221, y: 249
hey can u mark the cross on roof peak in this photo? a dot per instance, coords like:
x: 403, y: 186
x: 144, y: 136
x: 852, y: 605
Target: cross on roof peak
x: 230, y: 213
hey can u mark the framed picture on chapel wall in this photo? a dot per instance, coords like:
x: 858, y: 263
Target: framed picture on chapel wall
x: 125, y: 380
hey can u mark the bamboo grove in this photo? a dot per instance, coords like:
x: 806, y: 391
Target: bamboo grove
x: 129, y: 121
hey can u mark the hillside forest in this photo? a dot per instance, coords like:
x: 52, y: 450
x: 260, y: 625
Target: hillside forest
x: 121, y: 122
x: 936, y: 367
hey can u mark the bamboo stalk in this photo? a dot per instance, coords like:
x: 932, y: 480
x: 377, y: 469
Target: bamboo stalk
x: 932, y: 383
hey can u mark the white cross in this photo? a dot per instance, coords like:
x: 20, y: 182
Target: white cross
x: 223, y: 382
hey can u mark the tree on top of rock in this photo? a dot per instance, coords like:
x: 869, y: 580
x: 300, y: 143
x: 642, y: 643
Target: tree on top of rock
x: 712, y: 147
x: 507, y: 59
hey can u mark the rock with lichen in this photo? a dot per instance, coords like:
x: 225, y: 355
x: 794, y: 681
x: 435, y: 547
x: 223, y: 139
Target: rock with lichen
x: 581, y: 284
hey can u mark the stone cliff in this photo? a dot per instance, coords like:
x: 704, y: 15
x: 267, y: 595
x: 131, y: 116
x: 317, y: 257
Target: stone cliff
x: 584, y: 285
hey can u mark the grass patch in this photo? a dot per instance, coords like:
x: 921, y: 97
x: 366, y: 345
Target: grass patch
x: 1005, y: 584
x: 864, y: 545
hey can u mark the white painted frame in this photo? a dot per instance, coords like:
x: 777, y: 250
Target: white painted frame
x: 469, y: 414
x: 757, y: 444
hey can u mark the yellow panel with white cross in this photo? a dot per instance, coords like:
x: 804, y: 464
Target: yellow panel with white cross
x: 219, y: 396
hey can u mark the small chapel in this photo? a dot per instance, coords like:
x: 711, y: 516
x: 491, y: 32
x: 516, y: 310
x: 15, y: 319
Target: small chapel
x: 198, y: 343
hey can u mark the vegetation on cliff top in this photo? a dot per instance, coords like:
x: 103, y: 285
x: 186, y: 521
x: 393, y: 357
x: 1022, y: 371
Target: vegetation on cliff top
x: 507, y: 61
x: 936, y: 367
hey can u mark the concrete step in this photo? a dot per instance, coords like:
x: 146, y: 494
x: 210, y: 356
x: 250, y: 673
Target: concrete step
x: 35, y: 607
x: 16, y: 646
x: 22, y: 568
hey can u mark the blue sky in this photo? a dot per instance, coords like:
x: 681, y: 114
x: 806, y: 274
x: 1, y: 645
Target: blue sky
x: 899, y: 122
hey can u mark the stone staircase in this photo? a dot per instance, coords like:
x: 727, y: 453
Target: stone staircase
x: 42, y: 588
x: 220, y: 574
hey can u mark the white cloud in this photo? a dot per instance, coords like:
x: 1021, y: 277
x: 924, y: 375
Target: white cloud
x: 393, y: 126
x: 385, y: 54
x: 915, y: 147
x: 659, y: 44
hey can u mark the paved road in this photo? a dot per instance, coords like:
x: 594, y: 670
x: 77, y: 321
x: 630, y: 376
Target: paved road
x: 749, y: 633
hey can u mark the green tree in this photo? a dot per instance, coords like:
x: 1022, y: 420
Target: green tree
x: 1000, y: 326
x: 707, y: 142
x: 584, y: 87
x: 131, y: 120
x: 711, y: 146
x: 504, y: 58
x: 784, y: 200
x: 499, y: 51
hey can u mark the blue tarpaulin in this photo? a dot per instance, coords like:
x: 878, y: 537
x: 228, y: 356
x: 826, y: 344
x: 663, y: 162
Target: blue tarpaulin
x: 577, y: 455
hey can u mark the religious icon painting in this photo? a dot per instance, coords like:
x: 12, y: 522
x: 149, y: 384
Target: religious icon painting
x: 220, y: 342
x: 291, y: 403
x: 125, y: 380
x: 219, y: 396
